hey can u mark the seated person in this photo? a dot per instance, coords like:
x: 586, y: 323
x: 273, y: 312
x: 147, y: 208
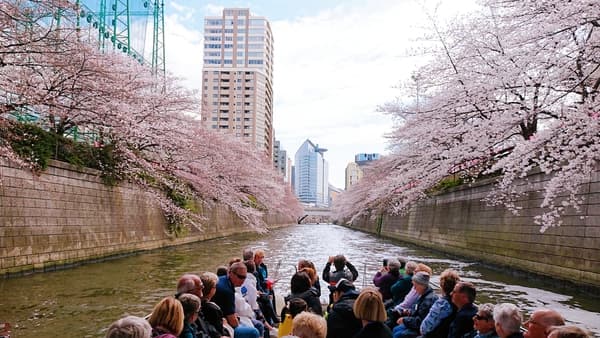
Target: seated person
x: 309, y: 325
x: 129, y: 327
x: 409, y: 326
x: 386, y: 277
x: 167, y: 318
x: 301, y: 288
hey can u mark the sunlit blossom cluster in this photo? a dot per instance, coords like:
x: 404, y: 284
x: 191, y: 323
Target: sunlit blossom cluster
x: 509, y: 91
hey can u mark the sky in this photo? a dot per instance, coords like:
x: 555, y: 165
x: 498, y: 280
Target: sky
x: 335, y: 61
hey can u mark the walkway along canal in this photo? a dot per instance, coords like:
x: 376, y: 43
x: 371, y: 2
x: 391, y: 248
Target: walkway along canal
x: 83, y: 301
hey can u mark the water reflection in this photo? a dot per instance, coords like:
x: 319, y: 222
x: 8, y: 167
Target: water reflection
x: 83, y: 301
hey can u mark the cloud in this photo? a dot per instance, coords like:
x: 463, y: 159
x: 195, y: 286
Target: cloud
x: 213, y: 10
x: 184, y: 51
x: 331, y: 70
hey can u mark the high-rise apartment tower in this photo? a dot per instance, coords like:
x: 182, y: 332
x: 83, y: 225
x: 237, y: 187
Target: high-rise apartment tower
x: 237, y: 77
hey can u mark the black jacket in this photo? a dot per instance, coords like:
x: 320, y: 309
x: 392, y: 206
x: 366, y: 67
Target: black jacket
x: 463, y: 322
x: 374, y: 330
x: 341, y: 322
x: 311, y: 299
x: 420, y: 310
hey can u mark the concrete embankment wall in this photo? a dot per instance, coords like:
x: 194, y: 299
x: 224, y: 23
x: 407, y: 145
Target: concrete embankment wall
x: 67, y: 216
x: 459, y: 223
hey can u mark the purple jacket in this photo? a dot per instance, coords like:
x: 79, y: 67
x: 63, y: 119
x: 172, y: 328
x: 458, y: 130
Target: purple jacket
x: 384, y: 282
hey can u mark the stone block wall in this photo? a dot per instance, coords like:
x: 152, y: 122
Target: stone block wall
x: 460, y: 223
x: 66, y: 216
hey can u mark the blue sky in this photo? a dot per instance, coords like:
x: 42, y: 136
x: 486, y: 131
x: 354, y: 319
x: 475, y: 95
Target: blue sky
x: 335, y: 62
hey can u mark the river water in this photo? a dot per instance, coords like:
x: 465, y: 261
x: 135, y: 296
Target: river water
x: 83, y: 301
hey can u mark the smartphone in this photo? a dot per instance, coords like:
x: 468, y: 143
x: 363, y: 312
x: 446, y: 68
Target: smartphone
x: 385, y: 261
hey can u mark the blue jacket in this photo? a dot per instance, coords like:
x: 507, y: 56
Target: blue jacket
x: 437, y: 322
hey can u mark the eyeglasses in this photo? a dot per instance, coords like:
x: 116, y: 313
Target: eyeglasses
x: 240, y: 276
x: 479, y: 317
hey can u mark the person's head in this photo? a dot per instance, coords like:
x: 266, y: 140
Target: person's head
x: 259, y: 256
x: 424, y: 268
x: 309, y: 325
x: 130, y: 327
x: 209, y: 280
x: 369, y: 306
x: 394, y: 266
x: 463, y: 293
x: 250, y: 266
x: 420, y: 281
x: 312, y: 274
x: 568, y: 332
x: 483, y: 321
x: 300, y: 282
x: 190, y: 283
x: 168, y: 315
x: 234, y: 260
x: 448, y: 280
x: 237, y: 273
x: 507, y: 319
x: 296, y: 306
x: 339, y: 262
x: 191, y: 306
x: 222, y: 270
x: 540, y: 321
x: 410, y: 267
x: 248, y: 254
x: 341, y: 287
x: 305, y: 263
x: 402, y: 261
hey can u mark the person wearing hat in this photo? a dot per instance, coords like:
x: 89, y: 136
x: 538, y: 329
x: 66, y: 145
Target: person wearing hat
x: 409, y: 326
x: 341, y: 322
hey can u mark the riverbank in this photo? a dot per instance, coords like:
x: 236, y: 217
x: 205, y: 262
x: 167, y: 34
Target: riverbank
x: 458, y: 222
x: 67, y: 216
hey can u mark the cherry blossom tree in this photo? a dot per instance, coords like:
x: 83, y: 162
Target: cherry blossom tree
x: 57, y: 73
x: 511, y: 90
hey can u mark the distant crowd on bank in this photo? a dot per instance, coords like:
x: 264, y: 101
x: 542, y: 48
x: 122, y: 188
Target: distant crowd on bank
x: 238, y: 302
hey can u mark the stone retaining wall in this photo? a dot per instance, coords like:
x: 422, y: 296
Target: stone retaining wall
x: 459, y: 223
x: 67, y: 216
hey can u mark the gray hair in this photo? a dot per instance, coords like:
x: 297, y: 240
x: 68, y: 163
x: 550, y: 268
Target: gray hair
x: 508, y: 317
x: 248, y: 254
x: 394, y: 264
x: 410, y: 267
x: 191, y: 304
x: 130, y: 327
x: 487, y: 309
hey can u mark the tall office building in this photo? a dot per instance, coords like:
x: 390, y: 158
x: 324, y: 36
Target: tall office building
x: 311, y: 175
x: 237, y: 77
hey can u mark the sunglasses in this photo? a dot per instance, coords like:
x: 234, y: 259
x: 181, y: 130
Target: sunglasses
x: 240, y: 276
x: 478, y: 317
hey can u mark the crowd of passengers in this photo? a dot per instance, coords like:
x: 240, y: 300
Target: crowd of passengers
x: 238, y: 302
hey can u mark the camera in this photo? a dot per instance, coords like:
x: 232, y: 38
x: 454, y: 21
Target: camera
x: 385, y: 262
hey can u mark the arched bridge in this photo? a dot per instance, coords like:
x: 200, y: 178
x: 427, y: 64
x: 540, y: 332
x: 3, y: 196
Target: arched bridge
x: 315, y: 215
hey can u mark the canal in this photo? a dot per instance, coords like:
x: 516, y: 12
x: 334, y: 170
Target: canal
x: 83, y: 301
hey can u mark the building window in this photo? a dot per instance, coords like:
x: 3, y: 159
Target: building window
x: 211, y: 22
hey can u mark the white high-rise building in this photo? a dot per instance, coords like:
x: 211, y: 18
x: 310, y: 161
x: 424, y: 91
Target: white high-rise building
x: 237, y: 77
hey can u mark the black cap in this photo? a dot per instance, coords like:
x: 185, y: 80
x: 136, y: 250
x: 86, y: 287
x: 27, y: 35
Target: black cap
x: 342, y: 285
